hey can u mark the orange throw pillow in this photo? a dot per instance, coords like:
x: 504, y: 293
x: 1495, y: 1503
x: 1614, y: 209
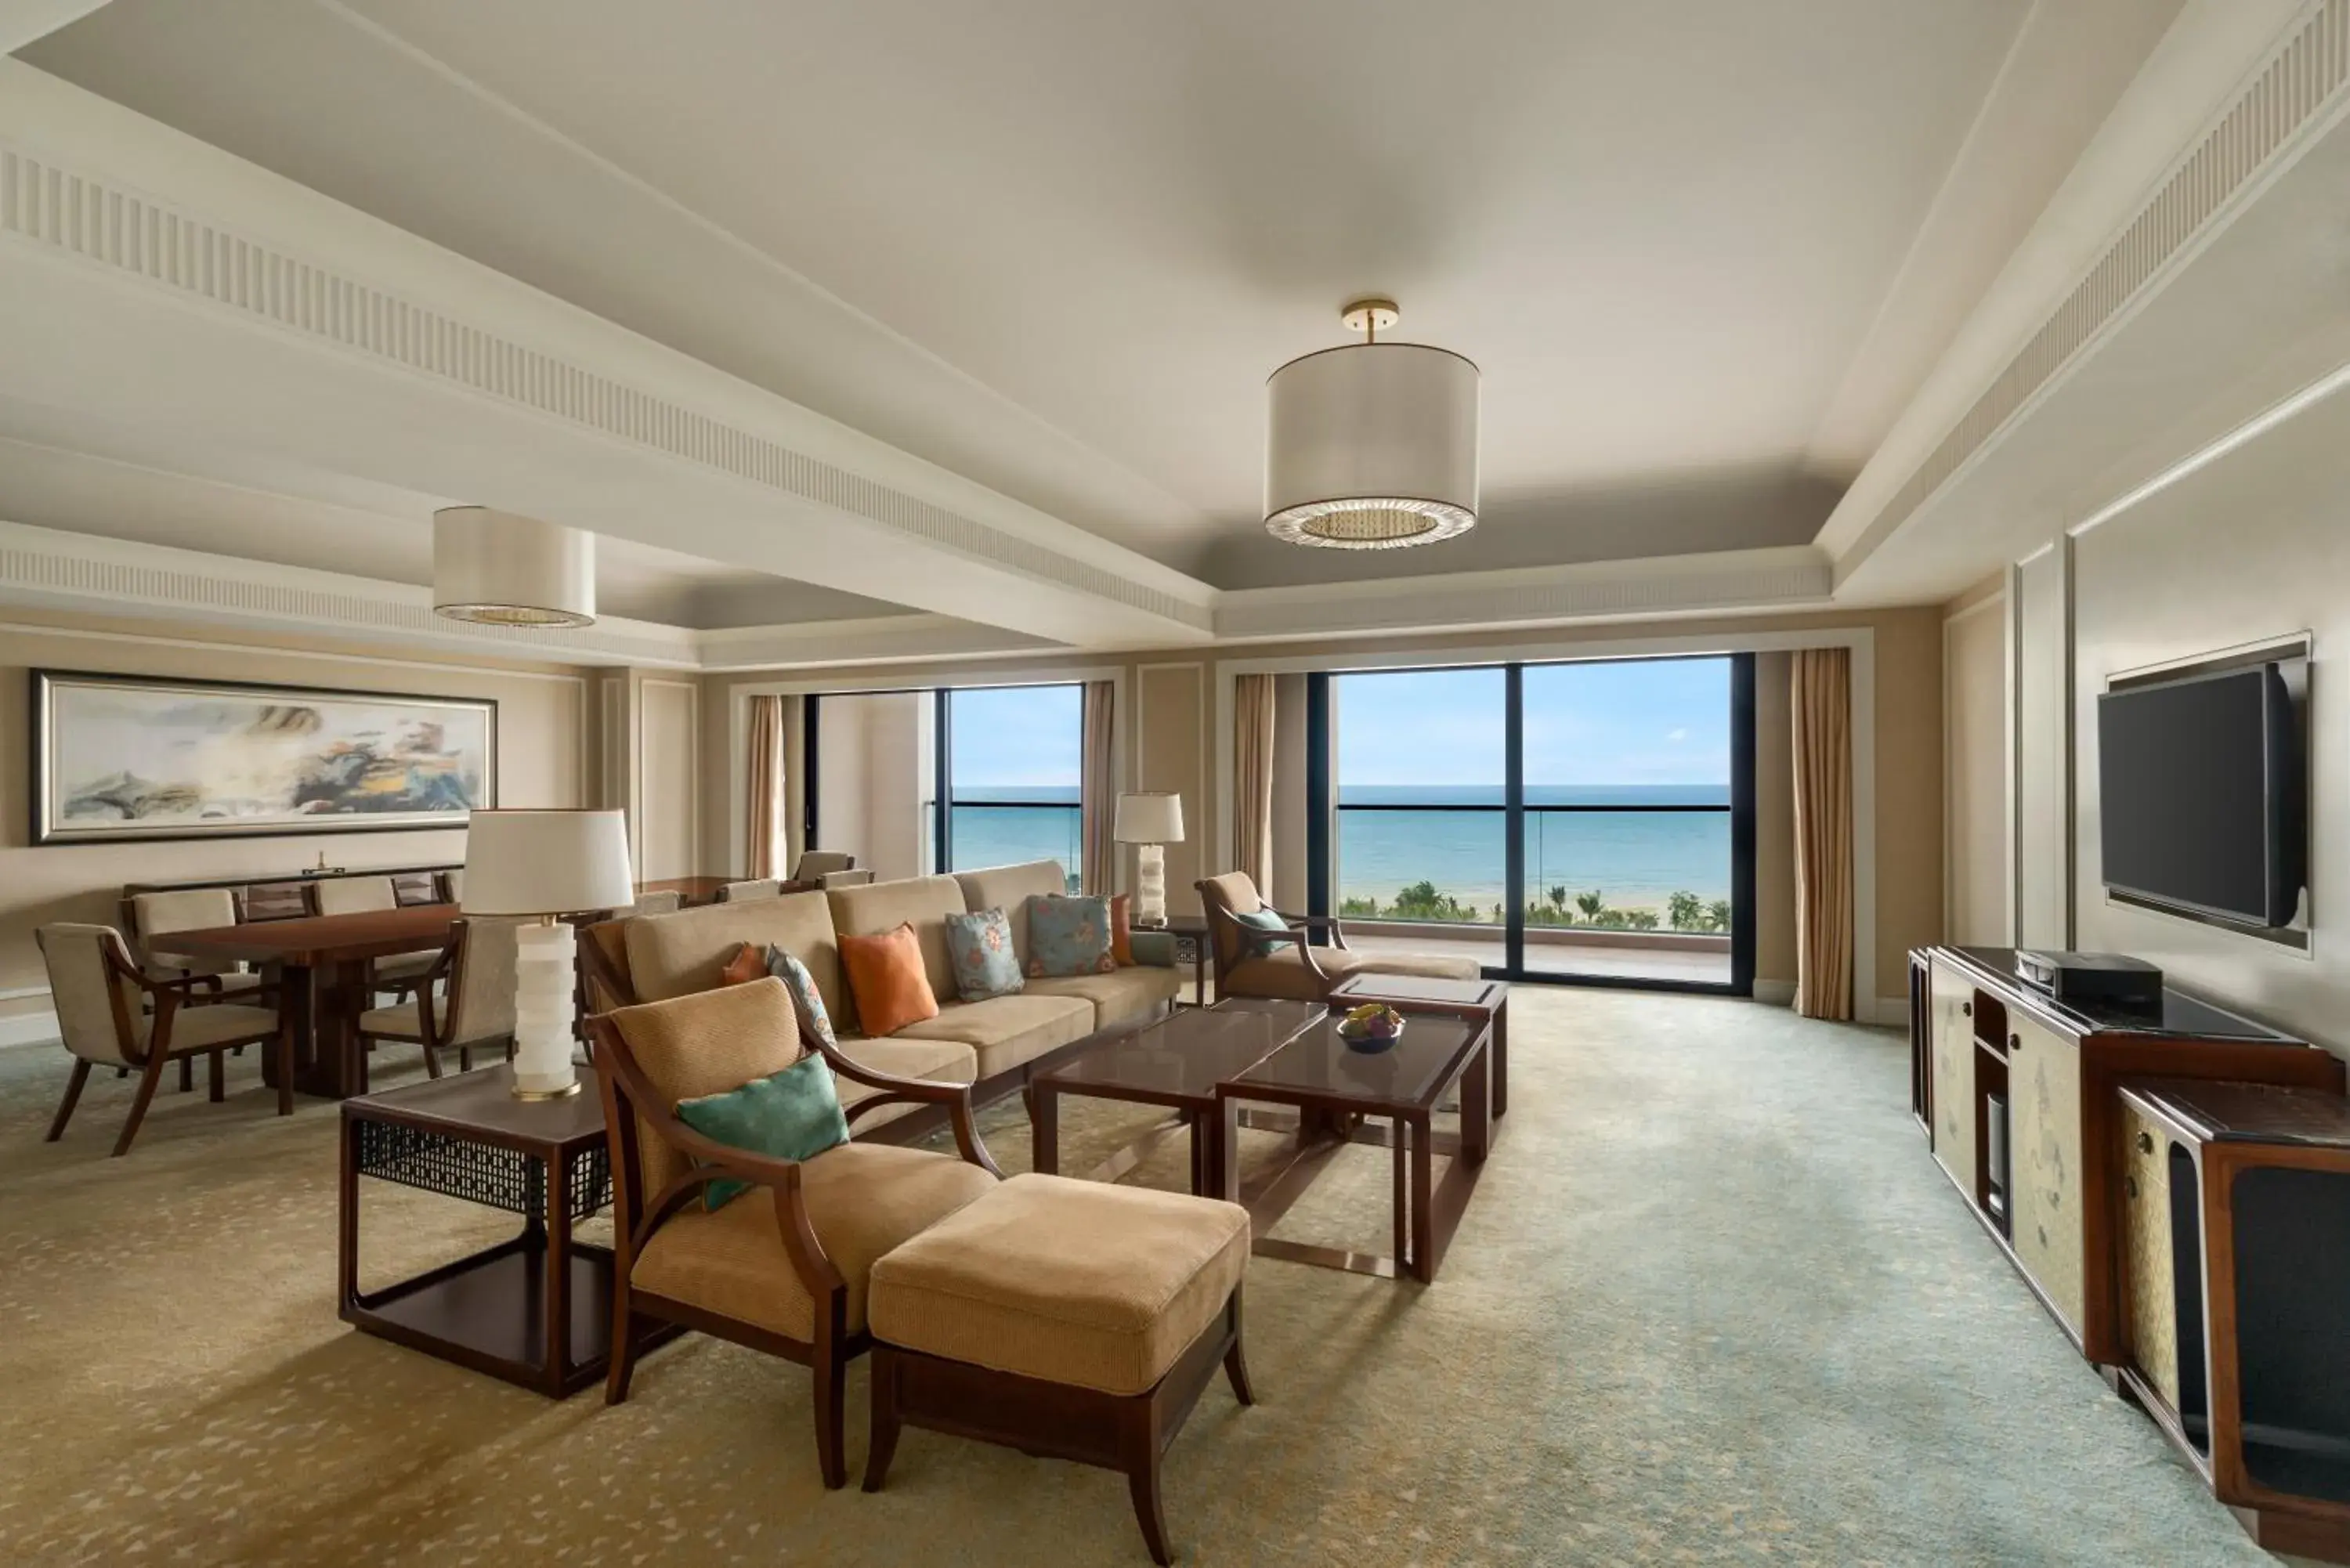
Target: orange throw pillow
x: 1121, y: 931
x: 747, y: 964
x: 887, y: 978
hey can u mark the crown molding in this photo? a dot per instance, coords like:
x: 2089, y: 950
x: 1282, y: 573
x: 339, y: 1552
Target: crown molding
x: 2297, y: 88
x: 88, y: 182
x: 1785, y: 577
x: 875, y: 639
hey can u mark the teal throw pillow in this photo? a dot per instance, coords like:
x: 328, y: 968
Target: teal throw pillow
x: 787, y: 968
x: 791, y: 1115
x: 1068, y: 936
x: 980, y: 946
x: 1267, y: 920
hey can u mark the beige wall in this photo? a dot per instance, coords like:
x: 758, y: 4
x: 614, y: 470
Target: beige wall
x: 1976, y: 858
x: 1169, y: 744
x: 546, y: 746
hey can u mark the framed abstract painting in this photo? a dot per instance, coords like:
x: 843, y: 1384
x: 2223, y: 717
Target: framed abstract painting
x: 120, y: 758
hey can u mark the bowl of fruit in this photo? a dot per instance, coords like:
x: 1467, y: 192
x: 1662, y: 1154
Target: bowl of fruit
x: 1373, y: 1026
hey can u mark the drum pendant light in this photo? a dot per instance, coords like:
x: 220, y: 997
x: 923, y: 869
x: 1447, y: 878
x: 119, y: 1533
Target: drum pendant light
x: 1372, y: 446
x: 503, y: 569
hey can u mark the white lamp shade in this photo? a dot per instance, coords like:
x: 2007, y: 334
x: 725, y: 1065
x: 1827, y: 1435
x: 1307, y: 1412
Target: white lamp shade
x: 511, y: 570
x: 1371, y: 447
x: 1149, y: 818
x: 546, y: 863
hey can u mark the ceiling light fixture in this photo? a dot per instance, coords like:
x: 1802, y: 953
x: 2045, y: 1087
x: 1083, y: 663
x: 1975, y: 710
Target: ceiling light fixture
x: 501, y: 569
x: 1372, y: 446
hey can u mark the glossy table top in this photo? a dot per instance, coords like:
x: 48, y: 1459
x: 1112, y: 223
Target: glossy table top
x: 1183, y: 1056
x: 1320, y: 1065
x: 322, y: 939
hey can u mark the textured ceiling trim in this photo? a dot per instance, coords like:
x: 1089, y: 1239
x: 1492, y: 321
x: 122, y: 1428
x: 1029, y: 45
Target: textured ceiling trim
x: 138, y: 237
x: 2302, y: 86
x: 44, y: 565
x: 1781, y: 578
x: 876, y: 640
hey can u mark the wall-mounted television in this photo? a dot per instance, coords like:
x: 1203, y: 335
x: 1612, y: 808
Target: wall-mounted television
x: 2199, y: 795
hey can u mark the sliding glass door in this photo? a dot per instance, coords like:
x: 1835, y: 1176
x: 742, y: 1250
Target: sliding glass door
x: 1588, y: 820
x: 1013, y: 777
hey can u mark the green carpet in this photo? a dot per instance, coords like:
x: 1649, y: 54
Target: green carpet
x: 1712, y: 1303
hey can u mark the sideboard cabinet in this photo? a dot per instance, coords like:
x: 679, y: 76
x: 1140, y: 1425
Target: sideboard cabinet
x: 2020, y: 1096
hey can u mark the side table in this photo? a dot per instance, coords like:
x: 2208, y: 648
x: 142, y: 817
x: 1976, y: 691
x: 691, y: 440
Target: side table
x: 1482, y: 1000
x: 535, y: 1309
x: 1191, y: 934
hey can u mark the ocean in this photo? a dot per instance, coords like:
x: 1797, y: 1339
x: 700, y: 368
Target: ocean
x: 1635, y: 860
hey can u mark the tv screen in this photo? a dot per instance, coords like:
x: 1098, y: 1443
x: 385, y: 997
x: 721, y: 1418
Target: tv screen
x: 2200, y: 800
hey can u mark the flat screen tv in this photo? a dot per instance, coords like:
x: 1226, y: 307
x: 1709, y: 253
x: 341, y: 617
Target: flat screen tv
x: 2199, y: 796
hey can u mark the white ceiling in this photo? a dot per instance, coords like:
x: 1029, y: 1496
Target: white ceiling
x: 1703, y: 252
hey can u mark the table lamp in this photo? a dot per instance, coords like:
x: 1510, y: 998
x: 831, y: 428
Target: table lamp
x: 1149, y: 819
x: 547, y: 864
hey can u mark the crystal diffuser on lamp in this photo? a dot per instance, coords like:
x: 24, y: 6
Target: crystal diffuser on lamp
x: 1148, y: 820
x: 547, y: 864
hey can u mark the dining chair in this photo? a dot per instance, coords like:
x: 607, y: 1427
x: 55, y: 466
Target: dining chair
x: 397, y: 974
x: 158, y: 915
x: 668, y: 903
x: 856, y: 876
x: 1278, y: 957
x: 814, y: 863
x: 743, y: 892
x: 453, y: 884
x: 476, y: 1007
x: 94, y: 982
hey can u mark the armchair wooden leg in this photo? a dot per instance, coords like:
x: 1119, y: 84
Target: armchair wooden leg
x: 147, y: 1081
x: 831, y: 1378
x: 215, y: 1077
x: 187, y: 1074
x: 1138, y: 1436
x: 66, y: 1106
x: 432, y: 1061
x: 1235, y: 1365
x: 624, y: 1352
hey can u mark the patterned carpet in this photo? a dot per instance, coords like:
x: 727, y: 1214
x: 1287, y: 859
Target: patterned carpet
x: 1712, y: 1304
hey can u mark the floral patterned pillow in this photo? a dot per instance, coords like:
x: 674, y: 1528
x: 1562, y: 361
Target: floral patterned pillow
x: 1068, y: 936
x: 980, y: 946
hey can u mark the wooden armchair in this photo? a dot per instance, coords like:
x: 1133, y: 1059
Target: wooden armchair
x: 95, y: 982
x: 1247, y: 964
x: 782, y: 1269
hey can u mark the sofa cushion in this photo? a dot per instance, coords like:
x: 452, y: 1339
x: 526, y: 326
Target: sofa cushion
x: 1007, y: 1031
x: 1081, y: 1282
x: 922, y: 902
x: 1068, y: 936
x: 1009, y: 888
x: 940, y: 1061
x: 673, y: 955
x: 1285, y: 974
x: 886, y: 979
x: 982, y: 944
x: 862, y: 1200
x: 1128, y: 993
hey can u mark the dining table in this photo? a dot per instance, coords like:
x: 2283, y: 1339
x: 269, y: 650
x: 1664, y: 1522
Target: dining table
x: 322, y: 964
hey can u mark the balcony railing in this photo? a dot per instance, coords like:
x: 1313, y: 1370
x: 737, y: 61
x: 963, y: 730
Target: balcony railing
x: 1598, y: 867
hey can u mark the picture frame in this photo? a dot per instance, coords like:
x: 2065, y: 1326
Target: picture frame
x: 122, y: 758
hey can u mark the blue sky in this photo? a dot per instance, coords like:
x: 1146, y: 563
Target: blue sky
x: 1018, y: 735
x: 1640, y: 721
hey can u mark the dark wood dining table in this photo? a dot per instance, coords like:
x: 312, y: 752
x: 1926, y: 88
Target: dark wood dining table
x: 322, y: 960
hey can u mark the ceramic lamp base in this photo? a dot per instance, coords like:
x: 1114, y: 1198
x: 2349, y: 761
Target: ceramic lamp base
x: 1150, y: 885
x: 542, y: 1002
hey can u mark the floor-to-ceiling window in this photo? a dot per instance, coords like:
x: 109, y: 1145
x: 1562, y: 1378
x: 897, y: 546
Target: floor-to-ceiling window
x: 1589, y: 819
x: 1013, y: 776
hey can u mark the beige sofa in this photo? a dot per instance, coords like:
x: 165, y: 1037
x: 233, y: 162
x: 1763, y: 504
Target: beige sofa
x: 994, y: 1045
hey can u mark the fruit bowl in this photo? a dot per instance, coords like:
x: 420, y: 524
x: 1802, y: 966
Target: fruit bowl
x: 1373, y: 1026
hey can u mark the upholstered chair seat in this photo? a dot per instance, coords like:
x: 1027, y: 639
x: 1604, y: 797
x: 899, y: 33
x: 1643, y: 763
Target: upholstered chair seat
x: 476, y: 1009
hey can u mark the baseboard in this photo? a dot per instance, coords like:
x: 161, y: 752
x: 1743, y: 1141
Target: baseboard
x: 28, y: 1029
x: 1777, y: 992
x: 1892, y: 1012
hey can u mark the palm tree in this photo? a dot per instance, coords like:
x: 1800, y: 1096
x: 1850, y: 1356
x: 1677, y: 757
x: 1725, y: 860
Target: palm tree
x: 1558, y: 898
x: 1685, y: 911
x: 1591, y: 904
x: 1718, y: 912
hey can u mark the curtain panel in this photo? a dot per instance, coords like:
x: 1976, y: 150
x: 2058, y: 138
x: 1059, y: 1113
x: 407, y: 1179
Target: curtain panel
x: 764, y: 796
x: 1821, y: 698
x: 1253, y: 742
x: 1097, y: 790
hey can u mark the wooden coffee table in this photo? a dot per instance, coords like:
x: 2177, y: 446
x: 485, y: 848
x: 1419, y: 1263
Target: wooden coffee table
x: 1338, y: 1092
x: 1486, y: 998
x: 535, y: 1309
x: 1176, y: 1062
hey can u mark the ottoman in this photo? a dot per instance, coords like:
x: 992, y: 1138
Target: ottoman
x: 1065, y: 1318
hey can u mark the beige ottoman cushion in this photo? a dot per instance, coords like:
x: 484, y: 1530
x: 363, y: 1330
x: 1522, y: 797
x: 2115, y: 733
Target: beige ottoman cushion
x: 1064, y: 1281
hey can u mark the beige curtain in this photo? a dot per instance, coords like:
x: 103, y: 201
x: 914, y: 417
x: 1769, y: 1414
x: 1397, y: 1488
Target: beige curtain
x: 796, y: 775
x: 1097, y: 790
x: 1252, y: 738
x: 769, y: 853
x: 1820, y: 693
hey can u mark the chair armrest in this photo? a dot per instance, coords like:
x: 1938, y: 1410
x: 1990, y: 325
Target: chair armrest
x: 895, y: 1090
